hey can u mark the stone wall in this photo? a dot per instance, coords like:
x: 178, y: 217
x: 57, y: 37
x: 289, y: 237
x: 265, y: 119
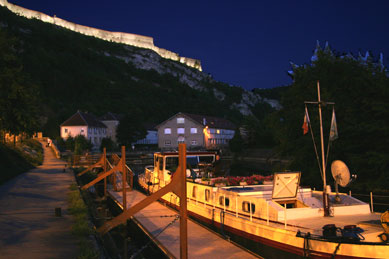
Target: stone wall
x: 119, y: 37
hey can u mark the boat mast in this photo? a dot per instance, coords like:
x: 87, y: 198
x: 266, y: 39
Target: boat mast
x: 320, y: 103
x: 326, y: 206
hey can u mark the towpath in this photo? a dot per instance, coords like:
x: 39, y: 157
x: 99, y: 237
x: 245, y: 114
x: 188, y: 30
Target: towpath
x: 28, y: 225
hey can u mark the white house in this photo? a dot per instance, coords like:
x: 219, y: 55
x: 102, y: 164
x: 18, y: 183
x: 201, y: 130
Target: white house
x: 86, y: 124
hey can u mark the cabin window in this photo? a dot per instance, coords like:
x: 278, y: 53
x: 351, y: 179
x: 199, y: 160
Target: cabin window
x: 246, y: 207
x: 160, y: 162
x: 82, y: 130
x: 193, y: 130
x: 168, y: 142
x: 171, y: 163
x: 180, y: 130
x: 224, y: 201
x: 207, y: 194
x: 168, y: 131
x: 206, y: 159
x: 180, y: 120
x: 194, y: 191
x: 66, y: 130
x: 193, y: 142
x: 217, y: 131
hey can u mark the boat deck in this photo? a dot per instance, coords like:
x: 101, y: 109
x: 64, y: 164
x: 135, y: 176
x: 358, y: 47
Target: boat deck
x: 201, y: 242
x: 370, y: 223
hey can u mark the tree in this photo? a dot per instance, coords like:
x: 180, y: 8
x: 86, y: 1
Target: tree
x: 69, y: 143
x: 81, y: 144
x: 130, y: 129
x: 360, y: 91
x: 18, y: 97
x: 107, y: 143
x: 236, y: 143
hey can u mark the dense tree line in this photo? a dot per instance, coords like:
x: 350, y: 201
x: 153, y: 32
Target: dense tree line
x: 18, y: 95
x: 360, y: 90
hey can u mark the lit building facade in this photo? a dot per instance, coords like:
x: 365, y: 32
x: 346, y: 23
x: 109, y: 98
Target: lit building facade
x: 196, y: 131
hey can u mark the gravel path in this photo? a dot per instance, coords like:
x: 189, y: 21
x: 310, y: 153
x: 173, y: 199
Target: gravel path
x: 28, y: 225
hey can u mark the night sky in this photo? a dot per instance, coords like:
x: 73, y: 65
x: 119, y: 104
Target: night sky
x: 244, y: 43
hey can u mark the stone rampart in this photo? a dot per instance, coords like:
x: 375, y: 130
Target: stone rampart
x: 119, y: 37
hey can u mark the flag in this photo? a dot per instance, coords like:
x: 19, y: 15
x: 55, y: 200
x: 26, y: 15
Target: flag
x: 306, y: 121
x: 334, y: 127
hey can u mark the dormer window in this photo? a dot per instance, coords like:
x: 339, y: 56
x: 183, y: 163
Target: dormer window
x: 180, y: 120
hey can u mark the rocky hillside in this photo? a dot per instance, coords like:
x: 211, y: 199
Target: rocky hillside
x: 73, y: 71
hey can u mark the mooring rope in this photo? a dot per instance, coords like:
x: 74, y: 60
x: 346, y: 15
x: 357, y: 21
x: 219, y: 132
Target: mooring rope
x: 314, y: 145
x: 154, y: 237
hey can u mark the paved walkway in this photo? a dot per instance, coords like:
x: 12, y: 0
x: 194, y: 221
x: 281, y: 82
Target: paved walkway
x: 28, y: 226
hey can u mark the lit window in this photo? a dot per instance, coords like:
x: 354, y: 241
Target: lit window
x: 193, y: 142
x: 180, y: 130
x: 246, y: 207
x: 168, y: 142
x: 224, y: 201
x: 193, y: 130
x: 218, y: 131
x: 194, y: 190
x: 168, y: 131
x: 180, y: 139
x: 207, y: 194
x: 180, y: 120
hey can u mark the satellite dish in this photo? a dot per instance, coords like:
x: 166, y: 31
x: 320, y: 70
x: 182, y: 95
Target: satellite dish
x: 340, y: 173
x: 341, y: 176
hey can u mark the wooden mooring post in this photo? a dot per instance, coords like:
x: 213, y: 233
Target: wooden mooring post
x: 176, y: 185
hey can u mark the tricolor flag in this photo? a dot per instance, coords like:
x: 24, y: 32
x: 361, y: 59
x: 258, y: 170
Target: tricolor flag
x: 306, y: 121
x: 334, y: 127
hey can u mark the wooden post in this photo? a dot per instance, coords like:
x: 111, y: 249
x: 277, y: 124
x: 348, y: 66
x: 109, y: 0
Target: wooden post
x: 236, y: 206
x: 105, y: 170
x: 371, y: 202
x: 285, y: 215
x: 251, y: 212
x: 349, y: 193
x: 183, y: 201
x: 267, y: 212
x: 124, y: 177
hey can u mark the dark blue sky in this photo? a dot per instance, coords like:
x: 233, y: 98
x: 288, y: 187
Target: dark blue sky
x: 244, y: 43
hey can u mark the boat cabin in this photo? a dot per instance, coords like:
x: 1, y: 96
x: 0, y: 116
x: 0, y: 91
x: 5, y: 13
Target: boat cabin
x: 198, y: 164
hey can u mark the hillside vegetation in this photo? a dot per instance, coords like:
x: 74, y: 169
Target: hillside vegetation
x: 72, y: 71
x: 19, y: 159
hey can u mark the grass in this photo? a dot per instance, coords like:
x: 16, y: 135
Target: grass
x: 19, y: 159
x: 81, y: 228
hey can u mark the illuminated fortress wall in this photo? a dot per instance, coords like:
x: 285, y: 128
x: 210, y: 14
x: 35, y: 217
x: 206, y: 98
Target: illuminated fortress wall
x: 119, y: 37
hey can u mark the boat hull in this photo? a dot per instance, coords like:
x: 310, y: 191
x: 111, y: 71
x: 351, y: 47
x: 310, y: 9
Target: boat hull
x: 270, y: 240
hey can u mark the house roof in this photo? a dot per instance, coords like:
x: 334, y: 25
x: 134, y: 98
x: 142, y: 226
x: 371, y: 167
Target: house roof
x: 210, y: 121
x: 110, y: 116
x: 83, y: 119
